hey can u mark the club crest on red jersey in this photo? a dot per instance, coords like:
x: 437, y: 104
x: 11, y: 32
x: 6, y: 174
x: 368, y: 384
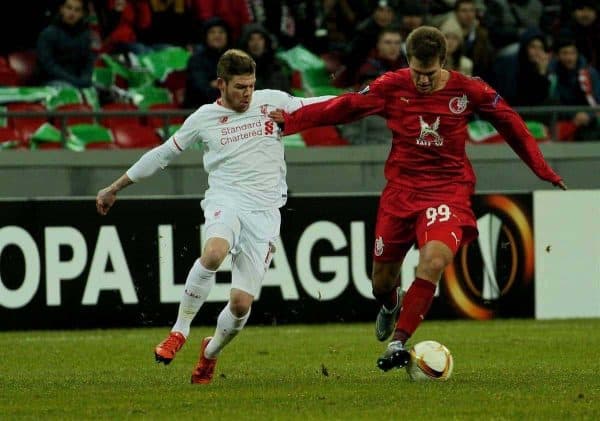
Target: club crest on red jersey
x: 458, y: 104
x: 379, y: 246
x: 429, y: 133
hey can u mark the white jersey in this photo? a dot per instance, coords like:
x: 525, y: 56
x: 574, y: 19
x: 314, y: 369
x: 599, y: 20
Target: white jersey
x: 244, y: 155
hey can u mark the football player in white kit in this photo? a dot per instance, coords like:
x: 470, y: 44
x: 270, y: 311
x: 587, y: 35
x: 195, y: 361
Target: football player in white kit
x: 246, y: 176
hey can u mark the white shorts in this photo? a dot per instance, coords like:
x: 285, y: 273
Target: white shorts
x: 251, y: 236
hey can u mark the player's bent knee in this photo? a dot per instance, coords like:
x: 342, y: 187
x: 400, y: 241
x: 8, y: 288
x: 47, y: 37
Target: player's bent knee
x: 433, y: 260
x: 240, y: 302
x: 436, y: 264
x: 214, y: 253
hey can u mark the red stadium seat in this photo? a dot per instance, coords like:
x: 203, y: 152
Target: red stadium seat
x: 565, y: 130
x: 74, y: 120
x: 114, y: 121
x: 24, y: 63
x: 26, y: 125
x: 8, y: 75
x: 159, y: 122
x: 136, y: 136
x: 175, y: 83
x: 11, y: 138
x: 48, y: 145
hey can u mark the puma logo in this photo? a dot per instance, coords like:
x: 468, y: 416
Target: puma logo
x: 455, y: 237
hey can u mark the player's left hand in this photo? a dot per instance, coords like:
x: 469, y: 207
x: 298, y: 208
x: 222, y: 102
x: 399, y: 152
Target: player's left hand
x: 278, y: 116
x: 561, y: 184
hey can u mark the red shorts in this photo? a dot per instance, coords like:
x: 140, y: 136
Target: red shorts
x: 406, y: 217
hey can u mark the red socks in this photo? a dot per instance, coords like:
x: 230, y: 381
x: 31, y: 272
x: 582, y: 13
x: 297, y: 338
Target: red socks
x: 415, y: 306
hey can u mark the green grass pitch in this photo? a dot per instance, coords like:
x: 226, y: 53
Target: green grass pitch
x: 504, y: 369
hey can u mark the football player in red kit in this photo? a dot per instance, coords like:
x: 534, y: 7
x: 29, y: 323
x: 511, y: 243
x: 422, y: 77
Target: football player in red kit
x: 427, y: 198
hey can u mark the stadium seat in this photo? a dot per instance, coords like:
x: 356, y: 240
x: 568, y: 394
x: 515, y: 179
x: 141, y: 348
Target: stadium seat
x: 482, y: 132
x: 175, y: 83
x: 137, y: 136
x: 113, y: 121
x: 24, y: 64
x: 46, y: 137
x: 103, y: 77
x: 75, y: 119
x: 8, y: 75
x: 64, y: 96
x: 565, y: 130
x: 11, y: 138
x: 158, y: 122
x: 26, y: 125
x: 89, y: 136
x: 145, y: 97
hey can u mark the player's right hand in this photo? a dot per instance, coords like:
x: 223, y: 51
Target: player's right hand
x: 561, y: 184
x: 104, y: 200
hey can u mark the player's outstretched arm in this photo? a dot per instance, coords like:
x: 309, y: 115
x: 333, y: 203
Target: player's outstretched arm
x: 513, y: 129
x: 146, y: 166
x: 107, y: 196
x: 339, y: 110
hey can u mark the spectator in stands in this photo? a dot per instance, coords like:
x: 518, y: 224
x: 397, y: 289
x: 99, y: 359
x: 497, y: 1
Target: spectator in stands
x: 292, y: 22
x: 533, y: 77
x: 552, y: 16
x: 412, y: 15
x: 201, y: 84
x: 508, y: 19
x: 120, y: 21
x: 172, y: 24
x: 270, y: 72
x: 476, y: 40
x: 235, y: 13
x: 338, y: 20
x: 585, y: 26
x: 439, y: 10
x: 64, y: 53
x: 455, y: 59
x: 367, y: 33
x: 577, y: 83
x: 386, y: 57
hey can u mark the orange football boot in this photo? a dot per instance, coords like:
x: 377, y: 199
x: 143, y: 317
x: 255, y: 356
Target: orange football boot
x: 205, y: 368
x: 166, y: 350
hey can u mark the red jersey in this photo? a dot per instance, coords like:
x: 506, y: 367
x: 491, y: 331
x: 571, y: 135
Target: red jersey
x: 429, y: 130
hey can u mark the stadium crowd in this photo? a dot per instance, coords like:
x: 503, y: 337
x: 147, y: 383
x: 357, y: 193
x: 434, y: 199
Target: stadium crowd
x: 162, y: 54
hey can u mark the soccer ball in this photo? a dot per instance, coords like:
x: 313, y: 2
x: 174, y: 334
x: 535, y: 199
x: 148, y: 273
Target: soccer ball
x: 430, y: 360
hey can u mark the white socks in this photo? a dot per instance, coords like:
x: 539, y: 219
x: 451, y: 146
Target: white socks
x: 228, y: 326
x: 197, y: 287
